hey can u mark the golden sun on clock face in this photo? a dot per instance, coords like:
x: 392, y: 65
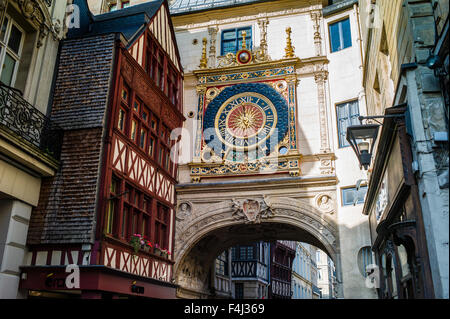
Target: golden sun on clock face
x: 245, y: 120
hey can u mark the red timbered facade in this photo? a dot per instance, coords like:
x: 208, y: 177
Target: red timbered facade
x: 282, y: 255
x: 133, y: 190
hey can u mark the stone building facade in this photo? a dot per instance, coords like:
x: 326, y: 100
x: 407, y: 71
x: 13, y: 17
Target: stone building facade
x: 326, y: 279
x: 405, y: 73
x: 305, y: 273
x: 312, y: 188
x: 29, y: 141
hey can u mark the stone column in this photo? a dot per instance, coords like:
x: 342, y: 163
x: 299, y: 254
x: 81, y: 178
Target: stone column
x: 14, y: 219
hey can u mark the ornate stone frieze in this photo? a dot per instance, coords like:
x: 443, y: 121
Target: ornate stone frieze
x: 270, y: 71
x: 247, y: 18
x: 288, y: 164
x: 251, y: 210
x: 36, y: 12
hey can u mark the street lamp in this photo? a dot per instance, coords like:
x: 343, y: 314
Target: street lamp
x: 362, y: 139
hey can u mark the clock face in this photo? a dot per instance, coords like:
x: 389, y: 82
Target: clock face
x: 243, y: 118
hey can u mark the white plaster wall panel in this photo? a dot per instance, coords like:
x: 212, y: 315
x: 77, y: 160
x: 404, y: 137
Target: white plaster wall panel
x: 308, y: 116
x: 110, y: 257
x: 301, y: 36
x: 41, y: 258
x: 28, y: 258
x: 190, y: 59
x: 125, y: 261
x: 56, y: 257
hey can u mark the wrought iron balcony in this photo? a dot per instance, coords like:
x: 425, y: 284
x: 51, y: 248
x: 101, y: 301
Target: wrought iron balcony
x: 22, y: 119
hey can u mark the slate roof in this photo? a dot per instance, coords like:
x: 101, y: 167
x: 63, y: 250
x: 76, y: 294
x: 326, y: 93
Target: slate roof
x: 129, y: 21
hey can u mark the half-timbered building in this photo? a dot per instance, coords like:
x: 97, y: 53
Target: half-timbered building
x: 282, y: 255
x: 110, y: 208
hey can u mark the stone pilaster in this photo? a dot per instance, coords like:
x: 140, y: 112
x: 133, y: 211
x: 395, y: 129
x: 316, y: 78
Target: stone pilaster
x: 292, y: 86
x: 201, y: 91
x: 212, y: 31
x: 321, y: 77
x: 316, y: 17
x: 262, y: 23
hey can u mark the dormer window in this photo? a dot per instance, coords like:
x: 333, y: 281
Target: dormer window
x: 117, y: 5
x: 231, y: 40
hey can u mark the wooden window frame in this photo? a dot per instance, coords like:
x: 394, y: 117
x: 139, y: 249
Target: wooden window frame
x: 329, y: 34
x: 5, y: 49
x: 249, y: 40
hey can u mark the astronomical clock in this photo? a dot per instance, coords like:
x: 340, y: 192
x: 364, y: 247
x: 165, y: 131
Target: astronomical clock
x: 246, y: 111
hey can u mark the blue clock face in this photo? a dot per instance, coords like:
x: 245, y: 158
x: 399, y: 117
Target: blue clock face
x: 246, y: 120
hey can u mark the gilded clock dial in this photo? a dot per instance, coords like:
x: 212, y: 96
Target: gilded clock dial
x: 246, y: 120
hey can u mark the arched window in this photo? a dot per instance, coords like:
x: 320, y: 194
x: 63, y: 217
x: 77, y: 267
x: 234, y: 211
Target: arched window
x: 364, y: 259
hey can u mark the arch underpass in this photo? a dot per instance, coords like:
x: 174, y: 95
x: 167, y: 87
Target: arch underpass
x: 201, y: 236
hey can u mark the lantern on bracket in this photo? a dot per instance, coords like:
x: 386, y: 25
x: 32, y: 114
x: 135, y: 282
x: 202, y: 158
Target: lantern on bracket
x: 362, y: 140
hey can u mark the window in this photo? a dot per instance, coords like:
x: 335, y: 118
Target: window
x: 162, y: 72
x: 122, y: 120
x: 364, y: 260
x: 135, y: 214
x: 135, y: 120
x: 232, y: 40
x: 222, y: 264
x: 11, y: 44
x: 347, y: 114
x: 245, y: 252
x: 111, y: 208
x: 340, y: 35
x: 120, y: 4
x: 161, y: 226
x: 351, y: 195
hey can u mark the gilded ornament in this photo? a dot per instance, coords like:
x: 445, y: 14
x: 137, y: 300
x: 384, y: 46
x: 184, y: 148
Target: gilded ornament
x: 204, y: 59
x: 289, y: 48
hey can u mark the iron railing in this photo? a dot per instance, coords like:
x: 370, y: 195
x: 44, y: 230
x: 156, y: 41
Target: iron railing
x: 24, y: 120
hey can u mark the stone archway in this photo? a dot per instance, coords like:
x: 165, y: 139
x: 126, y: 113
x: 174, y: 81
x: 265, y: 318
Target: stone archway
x: 200, y: 238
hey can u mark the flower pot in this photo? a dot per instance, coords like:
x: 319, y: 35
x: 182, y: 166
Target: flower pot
x: 146, y: 248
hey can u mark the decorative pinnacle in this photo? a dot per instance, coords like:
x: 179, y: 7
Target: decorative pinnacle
x: 289, y: 48
x: 244, y: 43
x: 204, y: 60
